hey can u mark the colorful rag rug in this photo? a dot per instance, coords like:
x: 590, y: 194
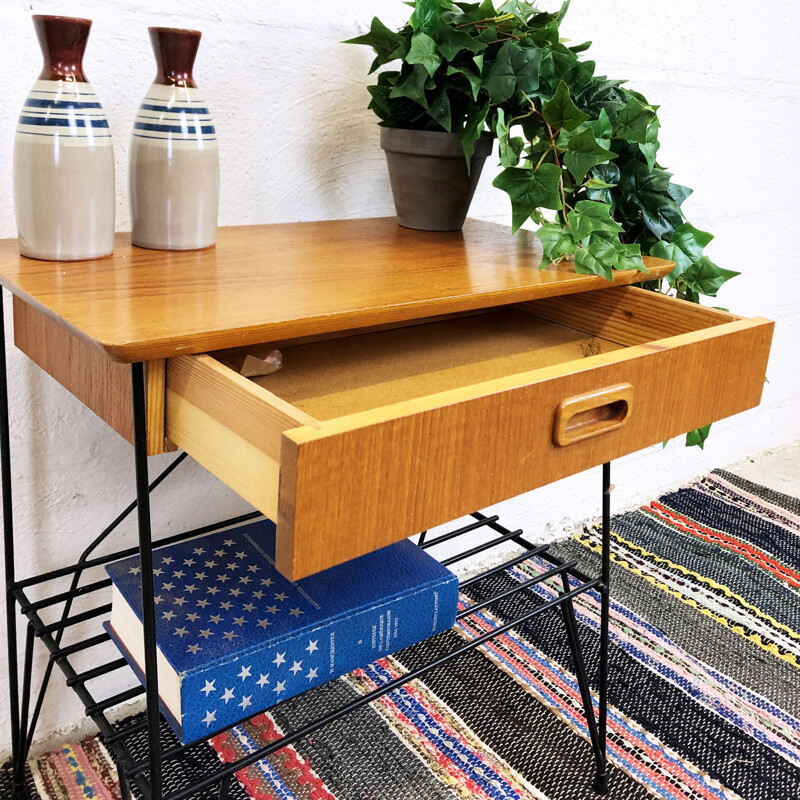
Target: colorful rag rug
x: 705, y: 691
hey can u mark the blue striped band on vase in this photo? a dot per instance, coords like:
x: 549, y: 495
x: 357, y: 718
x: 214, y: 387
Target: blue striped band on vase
x: 183, y: 116
x: 70, y: 112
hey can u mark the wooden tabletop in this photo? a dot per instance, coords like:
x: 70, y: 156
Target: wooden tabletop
x: 269, y: 282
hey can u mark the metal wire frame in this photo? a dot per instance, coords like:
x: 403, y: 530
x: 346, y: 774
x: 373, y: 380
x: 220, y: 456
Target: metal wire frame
x: 28, y: 725
x: 139, y: 772
x: 146, y: 775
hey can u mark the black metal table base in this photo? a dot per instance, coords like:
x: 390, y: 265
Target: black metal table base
x: 50, y: 617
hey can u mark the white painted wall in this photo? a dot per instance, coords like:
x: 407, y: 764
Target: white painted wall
x: 298, y: 144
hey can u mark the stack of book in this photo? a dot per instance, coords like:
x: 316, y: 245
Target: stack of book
x: 235, y: 637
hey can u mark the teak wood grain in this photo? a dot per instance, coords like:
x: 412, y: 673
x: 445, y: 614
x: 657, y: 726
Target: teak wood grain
x: 356, y: 471
x: 101, y: 385
x: 364, y: 481
x: 269, y: 282
x: 592, y: 414
x: 628, y: 316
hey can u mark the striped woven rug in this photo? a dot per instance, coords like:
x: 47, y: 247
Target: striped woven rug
x: 705, y: 692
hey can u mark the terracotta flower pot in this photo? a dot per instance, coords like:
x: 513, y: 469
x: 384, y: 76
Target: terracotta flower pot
x: 431, y: 185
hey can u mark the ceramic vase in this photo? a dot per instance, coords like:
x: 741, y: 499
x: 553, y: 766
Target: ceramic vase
x: 174, y: 163
x: 64, y: 194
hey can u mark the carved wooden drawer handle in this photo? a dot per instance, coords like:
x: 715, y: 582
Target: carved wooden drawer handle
x: 593, y: 413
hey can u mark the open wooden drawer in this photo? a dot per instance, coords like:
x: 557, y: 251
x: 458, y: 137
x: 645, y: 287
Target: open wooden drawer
x: 368, y: 438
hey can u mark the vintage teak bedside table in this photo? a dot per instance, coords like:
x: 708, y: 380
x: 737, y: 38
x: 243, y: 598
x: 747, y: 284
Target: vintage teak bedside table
x: 425, y: 375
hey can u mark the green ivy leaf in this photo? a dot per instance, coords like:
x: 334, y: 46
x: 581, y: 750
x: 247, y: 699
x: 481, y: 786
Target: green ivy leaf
x: 412, y: 86
x: 383, y: 41
x: 556, y: 241
x: 452, y: 41
x: 596, y: 259
x: 423, y: 51
x: 685, y: 248
x: 510, y: 147
x: 501, y: 80
x: 530, y: 190
x: 633, y: 121
x: 678, y: 193
x: 440, y: 112
x: 584, y: 153
x: 601, y: 127
x: 519, y: 8
x: 697, y: 438
x: 475, y: 81
x: 671, y: 252
x: 557, y: 62
x: 705, y: 277
x: 380, y: 104
x: 426, y: 14
x: 477, y: 11
x: 473, y: 125
x: 514, y: 68
x: 649, y: 193
x: 598, y: 183
x: 607, y: 174
x: 691, y: 240
x: 561, y: 112
x: 628, y: 256
x: 394, y: 113
x: 589, y: 217
x: 650, y: 147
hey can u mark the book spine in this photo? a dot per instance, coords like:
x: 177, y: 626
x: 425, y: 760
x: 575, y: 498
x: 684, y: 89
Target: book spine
x: 256, y: 680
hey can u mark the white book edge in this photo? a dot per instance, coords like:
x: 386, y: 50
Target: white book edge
x: 129, y: 629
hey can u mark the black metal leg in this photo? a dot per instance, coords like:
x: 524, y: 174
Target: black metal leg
x: 8, y: 548
x: 124, y: 786
x: 27, y: 676
x: 148, y: 603
x: 225, y: 787
x: 601, y: 781
x: 76, y: 578
x: 571, y: 624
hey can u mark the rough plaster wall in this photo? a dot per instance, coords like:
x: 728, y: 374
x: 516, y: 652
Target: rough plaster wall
x: 297, y: 144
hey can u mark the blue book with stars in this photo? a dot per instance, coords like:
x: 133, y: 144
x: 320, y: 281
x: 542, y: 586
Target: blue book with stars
x: 235, y: 637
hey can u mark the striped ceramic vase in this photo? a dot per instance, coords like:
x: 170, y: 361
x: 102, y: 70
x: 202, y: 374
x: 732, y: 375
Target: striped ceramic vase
x: 174, y: 166
x: 64, y: 195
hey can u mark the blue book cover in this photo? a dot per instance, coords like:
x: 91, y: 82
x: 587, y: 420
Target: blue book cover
x: 235, y: 637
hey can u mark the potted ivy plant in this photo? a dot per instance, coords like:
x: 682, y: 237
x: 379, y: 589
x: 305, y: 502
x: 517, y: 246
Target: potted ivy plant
x: 432, y: 128
x: 579, y: 150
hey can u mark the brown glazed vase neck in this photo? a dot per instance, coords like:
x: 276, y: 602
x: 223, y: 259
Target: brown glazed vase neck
x: 63, y: 42
x: 175, y: 50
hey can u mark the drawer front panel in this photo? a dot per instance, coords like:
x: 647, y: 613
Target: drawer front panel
x: 361, y: 482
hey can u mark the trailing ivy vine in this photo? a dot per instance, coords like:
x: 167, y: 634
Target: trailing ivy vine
x: 578, y: 150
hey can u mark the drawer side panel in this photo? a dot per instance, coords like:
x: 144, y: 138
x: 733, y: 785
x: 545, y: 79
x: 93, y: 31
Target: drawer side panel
x: 628, y: 315
x: 230, y: 426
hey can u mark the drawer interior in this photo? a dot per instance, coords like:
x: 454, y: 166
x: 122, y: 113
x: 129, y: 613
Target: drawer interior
x: 340, y: 376
x: 356, y: 373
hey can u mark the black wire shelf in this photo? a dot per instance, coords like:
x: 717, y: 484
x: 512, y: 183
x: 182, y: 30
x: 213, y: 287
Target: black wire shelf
x: 90, y: 658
